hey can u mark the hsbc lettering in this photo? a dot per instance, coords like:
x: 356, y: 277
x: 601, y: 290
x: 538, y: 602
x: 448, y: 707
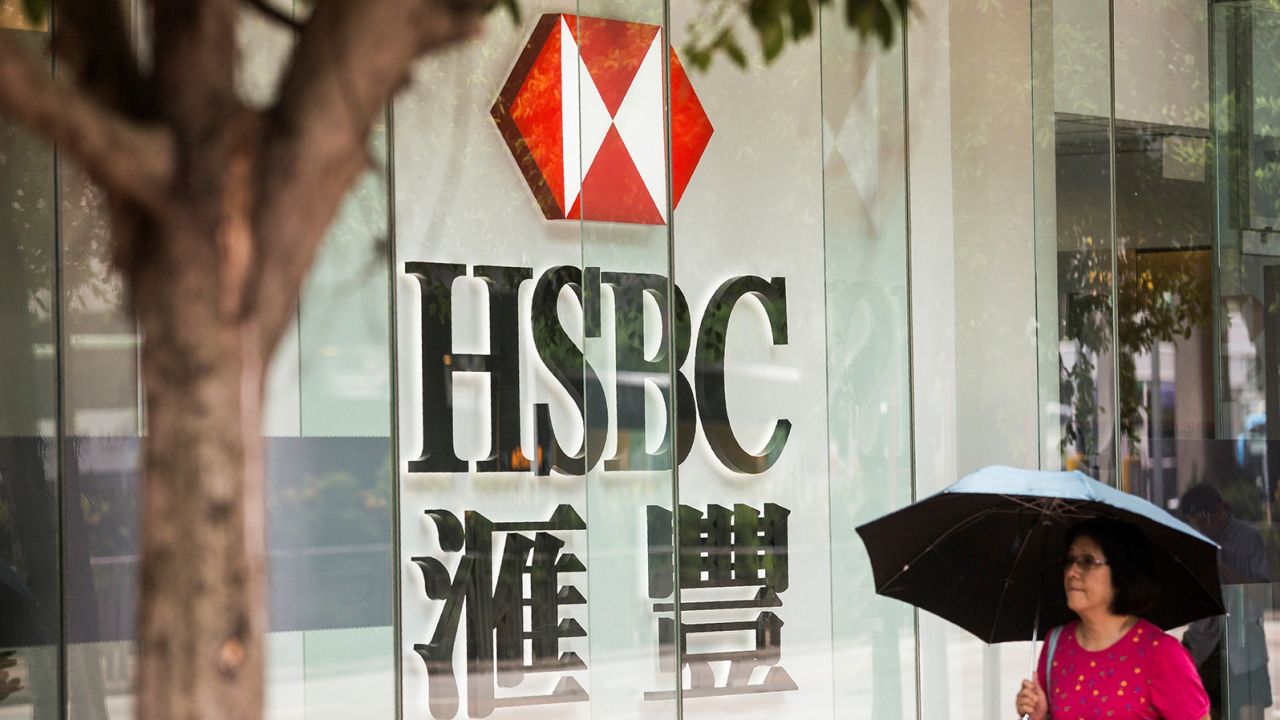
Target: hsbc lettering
x: 565, y: 361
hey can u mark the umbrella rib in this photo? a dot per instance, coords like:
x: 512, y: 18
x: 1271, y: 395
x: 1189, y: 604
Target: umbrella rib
x: 1194, y: 575
x: 1056, y: 503
x: 1057, y: 507
x: 953, y: 529
x: 1022, y: 547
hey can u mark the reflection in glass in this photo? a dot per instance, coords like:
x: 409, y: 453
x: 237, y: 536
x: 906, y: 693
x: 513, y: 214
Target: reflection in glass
x: 869, y: 471
x: 1164, y: 221
x: 30, y: 567
x: 635, y: 417
x: 1085, y: 312
x: 1245, y: 103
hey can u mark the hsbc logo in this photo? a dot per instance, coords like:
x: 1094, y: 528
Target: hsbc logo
x: 686, y: 343
x: 582, y: 113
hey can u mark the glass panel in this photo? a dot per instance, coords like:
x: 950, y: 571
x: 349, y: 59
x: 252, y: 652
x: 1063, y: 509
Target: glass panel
x: 868, y: 361
x: 286, y: 698
x: 329, y: 571
x: 1083, y: 225
x: 641, y: 334
x: 1164, y: 226
x: 30, y: 568
x: 495, y: 402
x: 103, y: 422
x: 974, y: 294
x: 755, y: 596
x: 344, y: 325
x: 1242, y: 461
x: 349, y: 671
x: 1164, y: 218
x: 329, y: 489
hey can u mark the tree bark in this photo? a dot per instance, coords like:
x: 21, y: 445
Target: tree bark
x: 202, y: 611
x: 218, y: 212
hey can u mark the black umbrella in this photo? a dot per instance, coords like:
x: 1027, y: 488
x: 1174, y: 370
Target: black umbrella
x: 984, y: 553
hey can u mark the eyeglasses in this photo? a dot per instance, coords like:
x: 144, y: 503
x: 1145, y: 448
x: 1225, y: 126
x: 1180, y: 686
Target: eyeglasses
x: 1084, y: 562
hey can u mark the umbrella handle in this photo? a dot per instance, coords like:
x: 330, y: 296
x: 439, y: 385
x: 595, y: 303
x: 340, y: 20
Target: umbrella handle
x: 1035, y: 635
x: 1031, y: 669
x: 1035, y: 632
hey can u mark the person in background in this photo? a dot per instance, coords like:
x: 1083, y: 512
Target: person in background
x: 1241, y: 561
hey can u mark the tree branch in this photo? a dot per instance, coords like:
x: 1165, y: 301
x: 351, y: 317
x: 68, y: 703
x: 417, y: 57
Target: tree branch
x: 275, y: 14
x: 92, y: 39
x: 196, y: 58
x: 352, y: 57
x: 124, y: 158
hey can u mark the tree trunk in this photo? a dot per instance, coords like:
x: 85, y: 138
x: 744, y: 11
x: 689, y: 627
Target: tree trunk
x: 218, y: 210
x: 201, y: 622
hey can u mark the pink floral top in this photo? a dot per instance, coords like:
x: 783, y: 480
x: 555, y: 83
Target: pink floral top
x: 1147, y: 674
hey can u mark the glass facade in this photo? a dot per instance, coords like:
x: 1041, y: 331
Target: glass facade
x: 604, y: 360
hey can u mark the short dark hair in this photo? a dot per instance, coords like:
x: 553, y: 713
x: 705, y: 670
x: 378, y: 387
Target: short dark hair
x: 1201, y: 499
x: 1130, y: 558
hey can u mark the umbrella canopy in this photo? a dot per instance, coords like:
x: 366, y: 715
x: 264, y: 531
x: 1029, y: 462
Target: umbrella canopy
x: 985, y: 553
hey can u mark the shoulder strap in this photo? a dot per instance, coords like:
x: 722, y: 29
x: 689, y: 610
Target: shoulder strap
x: 1048, y: 661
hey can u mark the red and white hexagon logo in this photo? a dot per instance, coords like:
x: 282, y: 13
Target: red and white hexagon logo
x: 583, y: 115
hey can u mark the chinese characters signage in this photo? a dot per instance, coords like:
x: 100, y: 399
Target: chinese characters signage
x: 507, y: 606
x: 743, y: 549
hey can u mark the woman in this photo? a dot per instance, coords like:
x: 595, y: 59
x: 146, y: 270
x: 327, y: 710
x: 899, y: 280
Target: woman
x: 1111, y: 663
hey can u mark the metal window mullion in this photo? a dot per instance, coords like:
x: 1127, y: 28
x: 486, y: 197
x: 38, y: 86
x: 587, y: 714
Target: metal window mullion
x: 672, y: 368
x: 1117, y: 420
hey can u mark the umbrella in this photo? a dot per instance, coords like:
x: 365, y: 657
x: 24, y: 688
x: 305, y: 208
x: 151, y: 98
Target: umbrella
x: 984, y: 552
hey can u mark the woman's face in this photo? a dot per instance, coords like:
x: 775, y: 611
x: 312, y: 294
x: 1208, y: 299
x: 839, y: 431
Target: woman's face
x: 1087, y: 580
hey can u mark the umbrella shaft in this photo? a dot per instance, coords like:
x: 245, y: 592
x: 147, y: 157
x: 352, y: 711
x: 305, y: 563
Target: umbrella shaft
x: 1031, y: 669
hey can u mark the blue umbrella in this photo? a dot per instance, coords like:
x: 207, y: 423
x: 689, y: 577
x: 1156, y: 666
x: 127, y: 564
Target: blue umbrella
x: 984, y: 553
